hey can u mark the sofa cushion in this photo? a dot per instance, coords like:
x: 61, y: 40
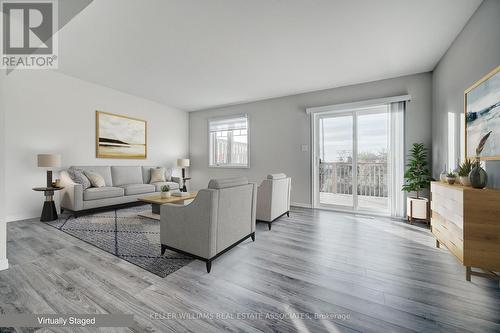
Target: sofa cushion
x: 132, y: 189
x: 173, y: 186
x: 104, y: 171
x: 95, y: 179
x: 124, y: 175
x: 95, y: 193
x: 276, y: 176
x: 146, y: 174
x: 227, y: 182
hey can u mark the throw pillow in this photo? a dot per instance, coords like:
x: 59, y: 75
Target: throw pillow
x: 95, y: 179
x: 78, y: 177
x: 157, y: 175
x: 168, y: 175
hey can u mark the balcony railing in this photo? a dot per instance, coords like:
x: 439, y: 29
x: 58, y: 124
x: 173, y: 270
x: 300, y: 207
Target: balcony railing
x: 336, y: 177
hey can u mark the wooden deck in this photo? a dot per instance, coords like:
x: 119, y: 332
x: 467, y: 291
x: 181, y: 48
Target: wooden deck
x: 375, y: 204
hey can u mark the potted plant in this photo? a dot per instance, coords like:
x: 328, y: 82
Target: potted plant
x: 451, y: 178
x: 165, y: 192
x: 463, y: 172
x: 417, y: 178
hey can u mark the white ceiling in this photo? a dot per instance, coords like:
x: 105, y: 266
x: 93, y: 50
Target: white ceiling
x: 196, y: 54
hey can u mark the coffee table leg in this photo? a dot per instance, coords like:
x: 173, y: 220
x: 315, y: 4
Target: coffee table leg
x: 156, y: 209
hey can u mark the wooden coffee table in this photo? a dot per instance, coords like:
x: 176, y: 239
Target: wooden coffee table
x: 156, y: 201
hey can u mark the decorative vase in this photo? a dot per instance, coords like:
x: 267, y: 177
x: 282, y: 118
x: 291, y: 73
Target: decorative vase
x: 451, y: 180
x: 165, y: 195
x: 478, y: 177
x: 442, y: 176
x: 457, y: 167
x: 465, y: 180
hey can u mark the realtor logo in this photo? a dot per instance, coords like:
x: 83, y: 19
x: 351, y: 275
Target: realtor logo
x: 29, y: 39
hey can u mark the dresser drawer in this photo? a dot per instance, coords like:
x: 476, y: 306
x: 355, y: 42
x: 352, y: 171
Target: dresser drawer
x: 448, y: 202
x: 449, y: 234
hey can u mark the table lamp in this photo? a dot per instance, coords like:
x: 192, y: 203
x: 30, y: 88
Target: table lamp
x: 183, y: 163
x: 49, y: 161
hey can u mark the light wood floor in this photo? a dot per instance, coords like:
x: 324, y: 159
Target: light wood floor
x: 382, y: 275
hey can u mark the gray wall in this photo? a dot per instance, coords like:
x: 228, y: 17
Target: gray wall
x: 66, y: 106
x: 279, y: 126
x: 474, y: 53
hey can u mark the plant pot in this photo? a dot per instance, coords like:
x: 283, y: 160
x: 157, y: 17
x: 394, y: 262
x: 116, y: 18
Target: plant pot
x: 451, y: 180
x: 417, y: 208
x: 464, y: 180
x: 478, y: 177
x: 165, y: 195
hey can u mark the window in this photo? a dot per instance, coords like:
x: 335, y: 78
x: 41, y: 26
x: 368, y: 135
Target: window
x: 228, y: 142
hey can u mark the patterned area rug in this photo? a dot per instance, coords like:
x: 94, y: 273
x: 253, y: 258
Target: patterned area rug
x: 126, y: 235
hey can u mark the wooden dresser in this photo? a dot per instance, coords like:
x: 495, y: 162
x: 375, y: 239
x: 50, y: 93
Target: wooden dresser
x: 467, y: 222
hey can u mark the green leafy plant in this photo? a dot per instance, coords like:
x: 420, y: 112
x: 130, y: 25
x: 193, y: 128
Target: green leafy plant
x: 465, y: 168
x: 451, y: 175
x: 417, y: 172
x: 165, y: 188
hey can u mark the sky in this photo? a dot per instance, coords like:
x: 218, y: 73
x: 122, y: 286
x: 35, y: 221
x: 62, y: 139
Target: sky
x: 372, y: 133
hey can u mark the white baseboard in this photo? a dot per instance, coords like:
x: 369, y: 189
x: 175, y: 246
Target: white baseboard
x: 4, y: 264
x: 301, y: 205
x: 21, y: 217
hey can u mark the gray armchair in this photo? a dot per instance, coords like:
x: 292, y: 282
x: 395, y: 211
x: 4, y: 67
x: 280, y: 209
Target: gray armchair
x: 273, y: 199
x: 218, y: 219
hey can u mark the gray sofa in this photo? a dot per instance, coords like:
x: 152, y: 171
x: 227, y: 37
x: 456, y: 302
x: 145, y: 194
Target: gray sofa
x: 218, y: 219
x: 124, y: 184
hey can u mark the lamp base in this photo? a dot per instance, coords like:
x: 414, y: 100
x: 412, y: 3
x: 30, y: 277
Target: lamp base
x: 49, y: 178
x: 183, y: 188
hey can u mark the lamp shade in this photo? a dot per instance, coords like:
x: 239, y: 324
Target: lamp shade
x: 183, y: 162
x: 49, y: 160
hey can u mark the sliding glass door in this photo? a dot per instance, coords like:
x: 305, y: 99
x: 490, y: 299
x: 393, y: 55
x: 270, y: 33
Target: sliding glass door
x: 372, y: 159
x: 336, y: 151
x: 351, y: 167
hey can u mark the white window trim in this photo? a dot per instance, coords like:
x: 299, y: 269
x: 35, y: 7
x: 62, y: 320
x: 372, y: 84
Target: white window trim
x: 229, y: 166
x: 346, y: 107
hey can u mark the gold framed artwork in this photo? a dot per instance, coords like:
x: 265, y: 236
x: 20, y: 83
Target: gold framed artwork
x: 120, y: 136
x: 482, y: 115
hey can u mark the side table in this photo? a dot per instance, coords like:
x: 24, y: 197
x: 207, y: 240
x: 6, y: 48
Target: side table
x: 49, y: 212
x: 184, y: 188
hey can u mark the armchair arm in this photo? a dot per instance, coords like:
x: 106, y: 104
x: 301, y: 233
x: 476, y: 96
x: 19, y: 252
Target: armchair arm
x: 264, y: 201
x: 177, y: 180
x: 191, y: 228
x: 72, y: 194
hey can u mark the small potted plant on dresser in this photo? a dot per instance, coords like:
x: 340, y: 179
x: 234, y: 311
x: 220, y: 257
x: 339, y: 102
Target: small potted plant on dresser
x: 464, y: 171
x: 417, y: 178
x: 165, y: 192
x: 451, y: 178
